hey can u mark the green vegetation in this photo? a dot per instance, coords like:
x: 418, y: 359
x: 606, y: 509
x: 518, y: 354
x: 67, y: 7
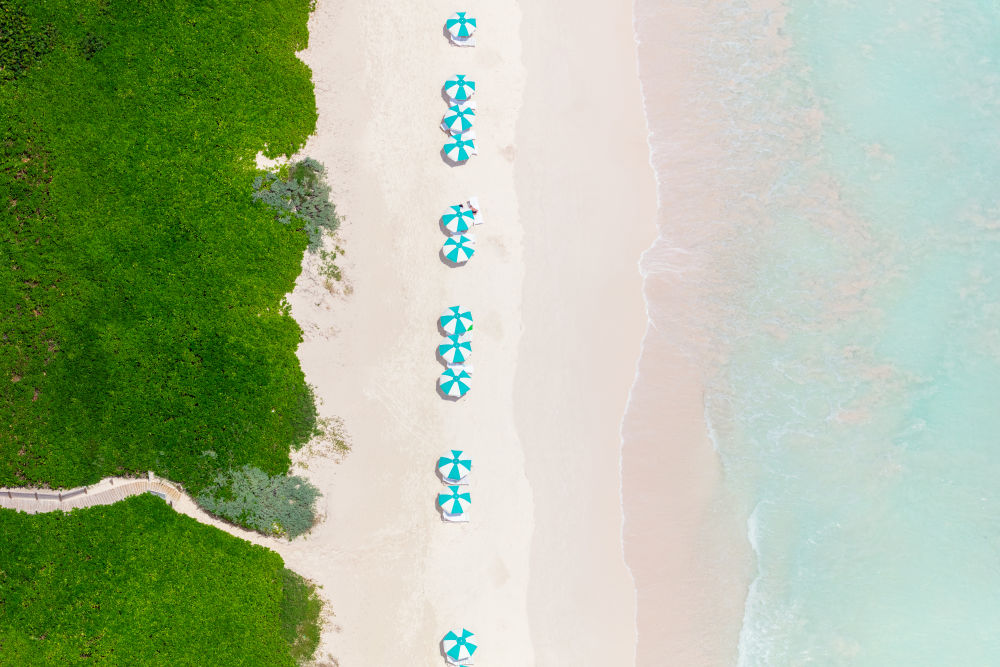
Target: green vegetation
x: 141, y: 285
x: 21, y: 42
x: 280, y: 505
x: 299, y: 194
x: 300, y: 616
x: 135, y: 583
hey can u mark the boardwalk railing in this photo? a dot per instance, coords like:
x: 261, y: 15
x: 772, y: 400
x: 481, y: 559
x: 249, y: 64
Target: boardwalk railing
x: 46, y: 495
x: 108, y: 490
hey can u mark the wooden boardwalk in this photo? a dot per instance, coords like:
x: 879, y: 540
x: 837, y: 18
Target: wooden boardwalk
x: 107, y: 491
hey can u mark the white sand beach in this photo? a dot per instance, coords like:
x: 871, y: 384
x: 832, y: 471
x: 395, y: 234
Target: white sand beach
x: 566, y: 189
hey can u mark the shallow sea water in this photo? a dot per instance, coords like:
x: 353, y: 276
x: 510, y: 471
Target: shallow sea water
x: 844, y: 290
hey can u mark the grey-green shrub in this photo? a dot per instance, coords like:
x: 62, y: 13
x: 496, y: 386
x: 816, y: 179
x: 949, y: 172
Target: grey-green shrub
x: 299, y: 193
x: 271, y: 504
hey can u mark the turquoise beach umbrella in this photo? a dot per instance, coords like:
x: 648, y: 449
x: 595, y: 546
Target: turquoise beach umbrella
x: 459, y: 118
x: 458, y: 220
x: 460, y: 25
x: 453, y: 467
x: 454, y: 382
x: 456, y: 349
x: 462, y: 148
x: 458, y: 645
x: 459, y: 89
x: 454, y: 501
x: 459, y: 249
x: 455, y: 320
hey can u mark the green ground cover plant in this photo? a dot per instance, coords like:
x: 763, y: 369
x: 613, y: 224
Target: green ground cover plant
x: 135, y: 583
x: 142, y: 287
x: 21, y: 41
x: 301, y: 611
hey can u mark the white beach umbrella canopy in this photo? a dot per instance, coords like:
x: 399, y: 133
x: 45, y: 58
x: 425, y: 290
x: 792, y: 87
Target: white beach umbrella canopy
x: 454, y: 500
x: 456, y: 349
x: 454, y: 382
x: 454, y: 467
x: 460, y: 25
x: 462, y: 147
x: 456, y: 320
x: 458, y: 220
x: 459, y: 249
x: 460, y: 88
x: 458, y: 646
x: 459, y: 118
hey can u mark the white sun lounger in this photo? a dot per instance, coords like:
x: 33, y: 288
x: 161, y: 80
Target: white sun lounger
x: 455, y: 518
x: 460, y: 41
x: 473, y: 205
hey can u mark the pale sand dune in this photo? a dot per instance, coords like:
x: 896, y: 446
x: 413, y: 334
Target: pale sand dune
x: 538, y: 573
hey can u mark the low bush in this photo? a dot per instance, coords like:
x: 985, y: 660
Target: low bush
x: 135, y: 583
x: 279, y: 505
x: 299, y: 194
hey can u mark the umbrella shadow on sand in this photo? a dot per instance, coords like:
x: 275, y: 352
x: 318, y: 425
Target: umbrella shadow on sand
x: 451, y: 39
x: 441, y: 478
x: 444, y: 395
x: 447, y: 262
x: 444, y: 654
x: 447, y: 482
x: 448, y: 161
x: 449, y: 100
x: 441, y: 515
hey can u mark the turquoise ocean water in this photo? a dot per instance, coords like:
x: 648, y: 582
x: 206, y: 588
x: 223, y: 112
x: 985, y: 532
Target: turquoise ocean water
x: 855, y: 391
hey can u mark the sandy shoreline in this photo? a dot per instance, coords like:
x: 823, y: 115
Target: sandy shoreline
x: 685, y: 536
x: 539, y: 572
x: 587, y: 196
